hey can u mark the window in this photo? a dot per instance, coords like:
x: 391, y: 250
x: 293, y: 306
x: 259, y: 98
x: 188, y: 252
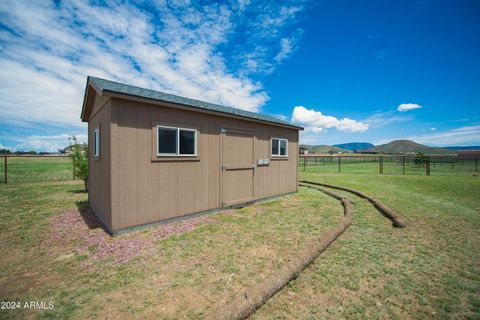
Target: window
x: 96, y: 142
x: 176, y: 141
x: 279, y: 147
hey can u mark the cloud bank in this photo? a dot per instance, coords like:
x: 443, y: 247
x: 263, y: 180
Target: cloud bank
x: 466, y: 135
x: 315, y: 121
x: 47, y: 48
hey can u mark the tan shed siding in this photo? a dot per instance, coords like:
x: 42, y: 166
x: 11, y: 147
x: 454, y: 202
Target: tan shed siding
x: 146, y: 190
x: 99, y: 168
x: 98, y: 103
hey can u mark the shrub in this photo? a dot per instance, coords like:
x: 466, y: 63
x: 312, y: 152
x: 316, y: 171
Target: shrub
x: 420, y: 159
x: 79, y: 157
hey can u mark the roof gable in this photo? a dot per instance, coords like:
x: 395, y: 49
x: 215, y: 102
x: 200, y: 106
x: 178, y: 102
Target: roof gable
x: 102, y: 86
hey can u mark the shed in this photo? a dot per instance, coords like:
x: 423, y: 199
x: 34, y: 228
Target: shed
x: 303, y: 150
x: 154, y: 156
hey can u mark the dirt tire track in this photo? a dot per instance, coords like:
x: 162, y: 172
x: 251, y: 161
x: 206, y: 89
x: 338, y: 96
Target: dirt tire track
x: 252, y: 299
x: 397, y: 220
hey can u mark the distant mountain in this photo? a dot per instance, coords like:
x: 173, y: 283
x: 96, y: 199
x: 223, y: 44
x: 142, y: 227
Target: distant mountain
x: 463, y: 148
x: 393, y: 147
x: 354, y: 146
x: 407, y: 146
x: 325, y: 149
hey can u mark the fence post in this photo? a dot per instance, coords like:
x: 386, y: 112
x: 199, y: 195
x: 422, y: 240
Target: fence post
x: 73, y: 168
x: 5, y: 162
x: 339, y: 164
x: 403, y: 165
x: 427, y: 167
x: 476, y: 165
x: 304, y: 163
x: 380, y: 164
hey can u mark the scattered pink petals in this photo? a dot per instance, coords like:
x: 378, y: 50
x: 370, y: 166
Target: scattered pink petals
x: 80, y: 232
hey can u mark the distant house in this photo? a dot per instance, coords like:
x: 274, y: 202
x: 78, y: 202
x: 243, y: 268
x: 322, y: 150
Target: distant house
x: 468, y: 154
x: 367, y: 151
x: 66, y: 151
x: 303, y: 150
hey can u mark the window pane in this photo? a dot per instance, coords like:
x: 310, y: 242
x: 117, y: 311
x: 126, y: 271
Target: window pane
x: 283, y: 147
x: 167, y: 140
x: 275, y: 146
x: 96, y: 142
x: 187, y: 142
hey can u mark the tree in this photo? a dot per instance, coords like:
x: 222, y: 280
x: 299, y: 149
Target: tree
x: 5, y: 151
x: 79, y: 157
x: 420, y: 159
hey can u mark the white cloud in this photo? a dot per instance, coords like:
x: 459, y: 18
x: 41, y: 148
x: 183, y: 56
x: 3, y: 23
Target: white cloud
x: 466, y: 135
x: 408, y: 106
x: 280, y: 116
x: 433, y: 129
x: 315, y: 121
x: 47, y: 143
x: 382, y: 119
x: 288, y: 46
x: 47, y: 49
x: 5, y: 147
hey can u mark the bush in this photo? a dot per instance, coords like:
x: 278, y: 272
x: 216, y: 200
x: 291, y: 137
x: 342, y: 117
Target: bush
x: 420, y: 159
x: 79, y: 157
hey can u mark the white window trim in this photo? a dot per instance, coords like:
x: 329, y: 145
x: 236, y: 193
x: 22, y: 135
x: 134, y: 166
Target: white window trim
x: 96, y: 142
x: 286, y: 148
x: 177, y: 154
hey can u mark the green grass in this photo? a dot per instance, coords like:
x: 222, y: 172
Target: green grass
x: 30, y: 169
x: 181, y: 276
x: 353, y: 165
x: 430, y: 270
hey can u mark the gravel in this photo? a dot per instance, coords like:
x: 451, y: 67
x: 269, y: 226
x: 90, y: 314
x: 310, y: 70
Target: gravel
x: 80, y: 232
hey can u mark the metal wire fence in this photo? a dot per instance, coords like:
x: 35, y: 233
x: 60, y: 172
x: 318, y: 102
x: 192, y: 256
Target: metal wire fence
x: 386, y: 164
x: 35, y: 168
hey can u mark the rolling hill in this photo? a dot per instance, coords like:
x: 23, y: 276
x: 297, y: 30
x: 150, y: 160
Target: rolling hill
x: 407, y: 146
x: 393, y: 147
x: 355, y: 146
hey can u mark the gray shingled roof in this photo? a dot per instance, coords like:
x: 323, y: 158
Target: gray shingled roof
x: 112, y: 86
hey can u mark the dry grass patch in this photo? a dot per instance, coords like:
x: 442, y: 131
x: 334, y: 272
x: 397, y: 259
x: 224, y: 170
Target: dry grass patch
x: 180, y: 270
x: 429, y: 270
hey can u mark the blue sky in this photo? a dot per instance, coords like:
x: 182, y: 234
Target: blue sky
x: 347, y: 71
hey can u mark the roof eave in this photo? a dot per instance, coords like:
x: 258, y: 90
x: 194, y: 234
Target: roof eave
x: 89, y: 85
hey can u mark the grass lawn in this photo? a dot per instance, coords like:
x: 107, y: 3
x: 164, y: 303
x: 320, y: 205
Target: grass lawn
x: 30, y: 169
x: 431, y: 269
x: 356, y: 165
x: 180, y: 271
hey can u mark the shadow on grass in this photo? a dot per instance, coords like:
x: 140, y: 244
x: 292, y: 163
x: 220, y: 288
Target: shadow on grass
x: 78, y: 191
x: 88, y: 216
